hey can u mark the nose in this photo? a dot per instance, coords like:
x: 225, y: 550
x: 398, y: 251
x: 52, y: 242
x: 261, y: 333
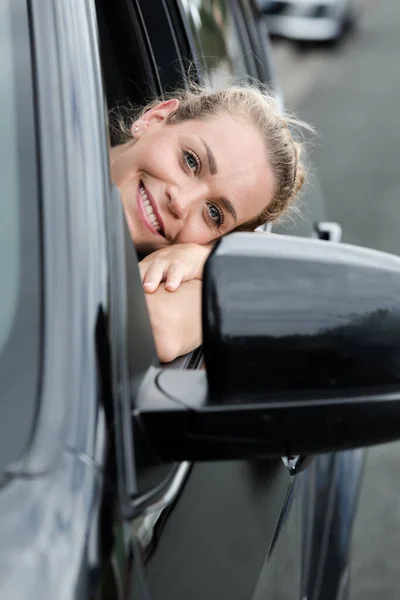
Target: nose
x: 181, y: 200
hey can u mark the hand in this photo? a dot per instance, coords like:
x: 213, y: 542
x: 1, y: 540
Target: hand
x: 174, y: 264
x: 176, y: 319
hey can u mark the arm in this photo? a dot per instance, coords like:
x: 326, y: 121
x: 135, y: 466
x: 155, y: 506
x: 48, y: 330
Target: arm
x: 176, y: 319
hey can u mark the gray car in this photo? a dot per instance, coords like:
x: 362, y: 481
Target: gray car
x: 308, y: 20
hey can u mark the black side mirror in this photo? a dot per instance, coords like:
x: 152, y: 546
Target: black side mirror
x: 302, y: 347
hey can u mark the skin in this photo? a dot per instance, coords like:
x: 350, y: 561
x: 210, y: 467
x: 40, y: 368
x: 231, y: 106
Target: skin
x: 205, y: 178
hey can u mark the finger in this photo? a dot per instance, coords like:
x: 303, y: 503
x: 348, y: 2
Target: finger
x: 143, y: 268
x: 174, y: 278
x: 153, y: 276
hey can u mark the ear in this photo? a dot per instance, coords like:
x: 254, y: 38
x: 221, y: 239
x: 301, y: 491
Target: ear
x: 155, y: 116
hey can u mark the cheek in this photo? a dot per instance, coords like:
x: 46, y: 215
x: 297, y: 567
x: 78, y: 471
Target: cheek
x: 195, y: 231
x: 158, y: 157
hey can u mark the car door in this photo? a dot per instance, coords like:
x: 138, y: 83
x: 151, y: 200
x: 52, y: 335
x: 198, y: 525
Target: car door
x: 192, y: 530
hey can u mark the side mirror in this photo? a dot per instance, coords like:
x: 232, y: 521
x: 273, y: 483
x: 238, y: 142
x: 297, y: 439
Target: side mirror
x: 302, y: 347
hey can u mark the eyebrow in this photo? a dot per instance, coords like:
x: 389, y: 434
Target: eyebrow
x: 229, y: 207
x: 211, y: 159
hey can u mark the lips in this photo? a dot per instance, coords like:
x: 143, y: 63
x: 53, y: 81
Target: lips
x: 148, y: 211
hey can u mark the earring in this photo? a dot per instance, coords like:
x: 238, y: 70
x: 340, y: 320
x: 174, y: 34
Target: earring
x: 136, y: 126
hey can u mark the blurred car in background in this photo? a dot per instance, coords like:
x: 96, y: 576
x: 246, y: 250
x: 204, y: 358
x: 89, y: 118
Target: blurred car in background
x: 308, y: 20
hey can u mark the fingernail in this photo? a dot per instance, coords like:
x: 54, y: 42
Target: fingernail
x: 172, y: 284
x: 148, y: 285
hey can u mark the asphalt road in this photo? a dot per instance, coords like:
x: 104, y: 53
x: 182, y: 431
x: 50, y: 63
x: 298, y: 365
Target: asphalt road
x: 351, y: 95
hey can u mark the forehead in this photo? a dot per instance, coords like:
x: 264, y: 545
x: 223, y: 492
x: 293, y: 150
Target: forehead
x: 244, y: 174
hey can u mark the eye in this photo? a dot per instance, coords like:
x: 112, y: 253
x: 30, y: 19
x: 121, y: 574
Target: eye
x: 216, y: 215
x: 191, y: 161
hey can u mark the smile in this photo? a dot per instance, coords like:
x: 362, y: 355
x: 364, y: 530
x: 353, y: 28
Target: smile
x: 149, y: 213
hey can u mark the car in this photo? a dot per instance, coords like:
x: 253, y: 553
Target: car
x: 124, y: 478
x: 309, y: 20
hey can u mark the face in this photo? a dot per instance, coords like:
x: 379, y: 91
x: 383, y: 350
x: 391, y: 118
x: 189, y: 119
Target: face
x: 192, y: 181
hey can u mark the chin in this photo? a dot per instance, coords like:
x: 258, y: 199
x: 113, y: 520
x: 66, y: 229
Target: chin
x: 145, y: 241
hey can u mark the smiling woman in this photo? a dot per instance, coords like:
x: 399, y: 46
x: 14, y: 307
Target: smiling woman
x: 194, y: 181
x: 198, y: 166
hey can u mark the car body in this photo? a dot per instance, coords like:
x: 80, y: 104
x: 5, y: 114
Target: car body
x: 308, y: 20
x: 87, y: 509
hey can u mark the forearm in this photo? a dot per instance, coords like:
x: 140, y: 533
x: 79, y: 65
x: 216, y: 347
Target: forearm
x: 176, y: 319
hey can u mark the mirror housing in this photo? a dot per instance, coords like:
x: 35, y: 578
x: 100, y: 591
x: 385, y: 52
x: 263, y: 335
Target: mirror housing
x: 302, y: 347
x: 293, y: 317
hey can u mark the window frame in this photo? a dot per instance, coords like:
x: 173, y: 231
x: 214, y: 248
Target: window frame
x: 22, y: 352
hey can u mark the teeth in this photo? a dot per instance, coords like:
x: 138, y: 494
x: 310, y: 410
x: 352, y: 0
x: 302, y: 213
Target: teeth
x: 143, y: 192
x: 148, y: 207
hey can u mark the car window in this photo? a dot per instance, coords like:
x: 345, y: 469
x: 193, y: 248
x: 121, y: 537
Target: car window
x: 129, y: 71
x: 220, y: 43
x: 19, y: 237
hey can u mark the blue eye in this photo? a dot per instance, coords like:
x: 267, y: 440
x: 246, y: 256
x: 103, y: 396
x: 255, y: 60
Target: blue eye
x: 192, y: 161
x: 216, y: 214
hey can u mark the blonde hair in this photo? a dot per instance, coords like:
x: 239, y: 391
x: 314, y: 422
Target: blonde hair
x: 281, y: 132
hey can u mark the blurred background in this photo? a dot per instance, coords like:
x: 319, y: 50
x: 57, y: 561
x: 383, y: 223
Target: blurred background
x: 349, y: 89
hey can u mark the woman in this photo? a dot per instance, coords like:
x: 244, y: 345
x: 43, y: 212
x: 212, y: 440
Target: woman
x: 191, y: 169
